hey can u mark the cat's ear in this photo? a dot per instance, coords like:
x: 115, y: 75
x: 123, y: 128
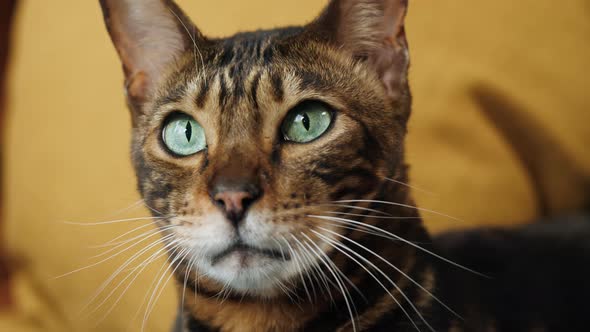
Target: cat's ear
x: 148, y: 36
x: 373, y: 30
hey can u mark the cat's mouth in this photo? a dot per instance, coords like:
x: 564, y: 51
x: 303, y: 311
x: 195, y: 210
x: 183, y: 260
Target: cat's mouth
x: 245, y: 250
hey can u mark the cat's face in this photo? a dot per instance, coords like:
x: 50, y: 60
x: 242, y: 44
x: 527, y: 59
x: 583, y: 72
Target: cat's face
x: 252, y: 147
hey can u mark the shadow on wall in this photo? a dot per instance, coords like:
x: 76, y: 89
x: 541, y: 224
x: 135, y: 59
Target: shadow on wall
x: 560, y: 186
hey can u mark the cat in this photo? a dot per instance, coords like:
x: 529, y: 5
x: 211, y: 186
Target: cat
x: 274, y: 161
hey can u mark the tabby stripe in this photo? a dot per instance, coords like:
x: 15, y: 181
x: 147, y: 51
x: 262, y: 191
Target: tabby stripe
x: 203, y: 93
x: 237, y: 75
x: 312, y: 80
x: 226, y: 57
x: 258, y: 50
x: 267, y: 55
x: 174, y: 95
x: 333, y: 177
x: 254, y: 89
x: 277, y: 87
x: 360, y: 189
x: 162, y: 192
x: 222, y: 90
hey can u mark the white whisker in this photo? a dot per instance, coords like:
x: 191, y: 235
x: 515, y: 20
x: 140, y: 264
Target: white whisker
x: 147, y: 234
x: 152, y: 302
x: 368, y: 216
x: 356, y: 208
x: 345, y: 293
x: 141, y: 267
x: 104, y: 260
x: 399, y: 204
x: 395, y: 268
x: 130, y: 260
x: 336, y: 244
x: 318, y: 273
x: 114, y: 241
x: 410, y: 186
x: 112, y: 221
x: 400, y: 239
x: 295, y: 258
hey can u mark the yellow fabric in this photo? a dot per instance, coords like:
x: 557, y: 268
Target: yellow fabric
x: 68, y: 132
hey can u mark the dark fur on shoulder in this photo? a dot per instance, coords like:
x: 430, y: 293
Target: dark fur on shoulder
x: 538, y: 276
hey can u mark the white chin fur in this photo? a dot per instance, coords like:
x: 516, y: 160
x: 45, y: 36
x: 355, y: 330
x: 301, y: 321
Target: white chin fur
x: 254, y: 274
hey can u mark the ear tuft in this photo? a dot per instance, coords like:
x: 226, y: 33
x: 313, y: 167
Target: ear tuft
x: 372, y: 30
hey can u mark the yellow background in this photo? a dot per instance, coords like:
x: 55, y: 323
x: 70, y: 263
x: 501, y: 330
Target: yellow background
x: 68, y: 130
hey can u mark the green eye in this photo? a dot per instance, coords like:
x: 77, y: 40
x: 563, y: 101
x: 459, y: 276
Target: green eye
x: 306, y: 122
x: 183, y: 135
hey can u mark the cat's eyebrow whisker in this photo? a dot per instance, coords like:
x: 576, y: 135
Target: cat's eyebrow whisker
x: 344, y: 291
x: 342, y: 220
x: 192, y: 37
x: 410, y: 186
x: 399, y: 204
x: 395, y: 268
x: 336, y: 245
x: 108, y: 222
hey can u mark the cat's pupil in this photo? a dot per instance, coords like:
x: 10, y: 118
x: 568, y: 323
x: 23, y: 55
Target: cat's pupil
x: 305, y: 121
x: 188, y: 131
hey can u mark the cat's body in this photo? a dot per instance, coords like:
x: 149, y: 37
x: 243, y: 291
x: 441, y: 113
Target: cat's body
x: 274, y: 161
x: 538, y: 276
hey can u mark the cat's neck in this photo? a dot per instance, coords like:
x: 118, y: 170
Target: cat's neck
x: 392, y: 256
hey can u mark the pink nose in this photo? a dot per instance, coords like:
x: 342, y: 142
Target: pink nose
x: 234, y: 204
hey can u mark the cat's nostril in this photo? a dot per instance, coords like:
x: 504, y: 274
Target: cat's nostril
x: 234, y: 204
x: 232, y: 200
x: 220, y: 203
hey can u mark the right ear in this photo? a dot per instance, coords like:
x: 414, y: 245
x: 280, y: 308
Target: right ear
x: 149, y: 35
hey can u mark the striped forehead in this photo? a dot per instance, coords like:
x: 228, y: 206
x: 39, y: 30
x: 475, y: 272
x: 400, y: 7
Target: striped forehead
x: 232, y: 75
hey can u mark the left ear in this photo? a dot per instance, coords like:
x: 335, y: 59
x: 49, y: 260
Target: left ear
x: 149, y: 35
x: 373, y: 30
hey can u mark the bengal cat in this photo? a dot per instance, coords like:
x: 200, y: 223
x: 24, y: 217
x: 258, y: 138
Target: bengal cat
x: 275, y: 162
